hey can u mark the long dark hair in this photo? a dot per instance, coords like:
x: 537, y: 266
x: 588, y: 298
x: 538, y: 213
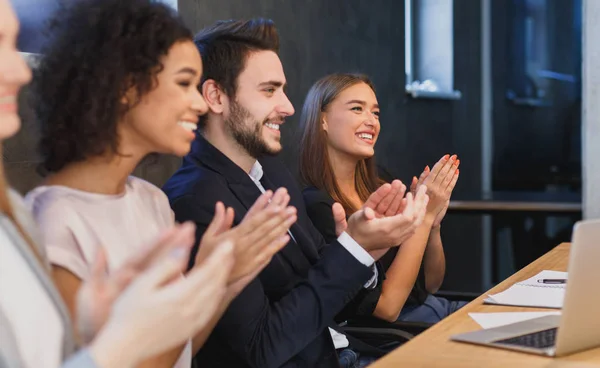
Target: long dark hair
x: 315, y: 166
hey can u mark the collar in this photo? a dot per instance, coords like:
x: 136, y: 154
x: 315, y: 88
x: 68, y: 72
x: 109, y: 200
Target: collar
x: 204, y: 153
x: 256, y: 172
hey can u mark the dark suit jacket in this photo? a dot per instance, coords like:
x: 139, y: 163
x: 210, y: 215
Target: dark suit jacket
x: 280, y: 319
x: 318, y: 205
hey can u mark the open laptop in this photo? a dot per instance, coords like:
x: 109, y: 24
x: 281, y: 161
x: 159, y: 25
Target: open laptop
x: 579, y: 326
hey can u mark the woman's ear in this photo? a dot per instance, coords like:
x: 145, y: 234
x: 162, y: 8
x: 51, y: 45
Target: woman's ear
x: 324, y: 121
x: 129, y: 97
x: 214, y: 96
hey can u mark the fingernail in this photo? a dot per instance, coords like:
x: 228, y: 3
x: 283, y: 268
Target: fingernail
x: 446, y: 157
x: 427, y: 168
x: 453, y: 157
x: 457, y: 162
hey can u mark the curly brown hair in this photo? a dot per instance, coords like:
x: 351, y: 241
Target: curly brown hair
x: 99, y: 50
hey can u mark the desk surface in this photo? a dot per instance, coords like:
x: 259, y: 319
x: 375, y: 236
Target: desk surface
x: 433, y: 348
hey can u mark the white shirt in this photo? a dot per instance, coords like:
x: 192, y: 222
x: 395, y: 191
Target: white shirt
x: 34, y: 319
x: 339, y: 340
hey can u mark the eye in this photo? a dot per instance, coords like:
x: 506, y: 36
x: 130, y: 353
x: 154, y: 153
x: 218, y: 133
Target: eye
x: 270, y: 90
x: 185, y: 83
x: 357, y: 108
x: 376, y: 113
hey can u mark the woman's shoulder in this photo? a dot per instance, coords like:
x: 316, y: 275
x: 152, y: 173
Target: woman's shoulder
x: 50, y: 201
x: 146, y: 189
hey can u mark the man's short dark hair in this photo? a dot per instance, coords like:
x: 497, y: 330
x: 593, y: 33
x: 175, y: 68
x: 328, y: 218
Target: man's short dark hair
x: 226, y: 45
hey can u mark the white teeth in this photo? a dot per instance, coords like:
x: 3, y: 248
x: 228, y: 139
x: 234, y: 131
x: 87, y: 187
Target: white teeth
x: 365, y: 135
x: 272, y: 126
x: 187, y: 125
x: 8, y: 99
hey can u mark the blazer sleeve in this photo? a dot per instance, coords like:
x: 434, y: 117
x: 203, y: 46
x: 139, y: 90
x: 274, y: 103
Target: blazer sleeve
x: 9, y: 351
x: 268, y: 333
x: 318, y: 205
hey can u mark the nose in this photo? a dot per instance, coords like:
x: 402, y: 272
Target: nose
x: 286, y: 107
x: 14, y: 71
x: 199, y: 104
x: 371, y: 119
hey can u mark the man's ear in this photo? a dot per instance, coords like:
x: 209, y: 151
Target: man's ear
x: 214, y: 96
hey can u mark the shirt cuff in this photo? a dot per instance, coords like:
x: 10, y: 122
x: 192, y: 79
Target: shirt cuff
x: 356, y: 250
x: 361, y: 255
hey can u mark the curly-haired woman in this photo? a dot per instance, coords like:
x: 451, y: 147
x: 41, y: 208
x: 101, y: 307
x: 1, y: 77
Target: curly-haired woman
x: 119, y: 82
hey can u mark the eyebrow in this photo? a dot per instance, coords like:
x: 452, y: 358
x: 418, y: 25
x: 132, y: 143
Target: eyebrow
x: 187, y: 70
x: 272, y: 83
x: 360, y: 102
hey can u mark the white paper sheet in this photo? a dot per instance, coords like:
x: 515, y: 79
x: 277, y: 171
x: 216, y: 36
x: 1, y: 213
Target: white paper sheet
x: 490, y: 320
x: 531, y: 293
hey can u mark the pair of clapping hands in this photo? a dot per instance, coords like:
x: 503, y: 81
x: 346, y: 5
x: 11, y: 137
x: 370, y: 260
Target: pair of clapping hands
x: 149, y: 293
x: 388, y: 217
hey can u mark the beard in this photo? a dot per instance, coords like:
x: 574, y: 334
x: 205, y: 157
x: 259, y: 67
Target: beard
x: 249, y: 138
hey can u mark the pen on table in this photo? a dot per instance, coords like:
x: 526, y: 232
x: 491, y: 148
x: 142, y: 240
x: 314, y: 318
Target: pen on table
x: 553, y: 281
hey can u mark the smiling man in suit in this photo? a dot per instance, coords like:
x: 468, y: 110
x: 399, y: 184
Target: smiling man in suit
x: 281, y: 318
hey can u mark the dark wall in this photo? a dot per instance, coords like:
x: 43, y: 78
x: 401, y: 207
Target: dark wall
x: 324, y: 36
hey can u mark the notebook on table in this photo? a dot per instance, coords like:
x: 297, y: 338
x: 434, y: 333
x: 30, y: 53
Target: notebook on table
x: 534, y: 292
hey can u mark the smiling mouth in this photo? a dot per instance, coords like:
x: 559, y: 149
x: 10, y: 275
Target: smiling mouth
x: 365, y: 136
x: 272, y: 126
x: 188, y: 125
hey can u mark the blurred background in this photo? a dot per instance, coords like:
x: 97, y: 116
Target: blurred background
x: 498, y: 82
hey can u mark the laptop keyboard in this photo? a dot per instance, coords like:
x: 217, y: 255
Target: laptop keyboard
x: 540, y: 339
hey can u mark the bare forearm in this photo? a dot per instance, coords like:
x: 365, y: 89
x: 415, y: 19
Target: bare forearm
x: 435, y: 261
x: 402, y: 274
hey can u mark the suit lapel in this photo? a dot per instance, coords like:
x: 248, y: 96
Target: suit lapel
x: 241, y: 185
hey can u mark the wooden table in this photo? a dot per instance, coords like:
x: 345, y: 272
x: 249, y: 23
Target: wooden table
x: 510, y: 201
x: 433, y: 347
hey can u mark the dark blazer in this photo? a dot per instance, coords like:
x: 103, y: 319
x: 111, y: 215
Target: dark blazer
x: 280, y: 319
x: 318, y: 205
